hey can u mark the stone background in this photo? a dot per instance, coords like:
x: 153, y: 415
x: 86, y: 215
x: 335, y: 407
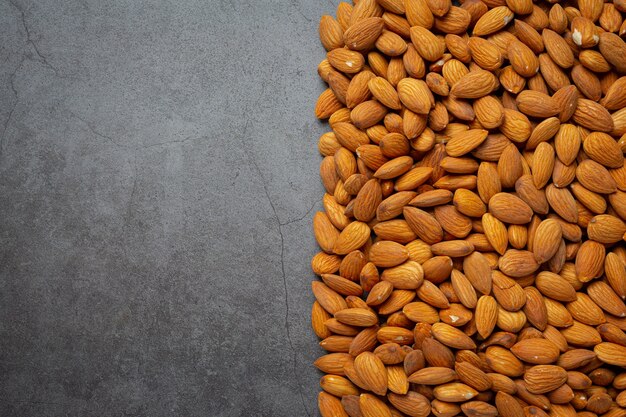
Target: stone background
x: 158, y: 175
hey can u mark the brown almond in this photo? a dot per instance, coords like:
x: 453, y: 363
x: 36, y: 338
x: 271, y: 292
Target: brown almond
x: 510, y: 209
x: 518, y: 263
x: 492, y: 21
x: 475, y: 84
x: 544, y: 378
x: 536, y: 351
x: 372, y: 372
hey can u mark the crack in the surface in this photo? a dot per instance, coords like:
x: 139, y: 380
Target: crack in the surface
x: 129, y: 207
x: 188, y: 138
x: 30, y: 402
x: 284, y: 275
x: 30, y: 40
x: 302, y: 217
x: 300, y: 12
x: 17, y: 99
x: 95, y: 132
x: 134, y: 189
x: 280, y: 225
x: 136, y: 148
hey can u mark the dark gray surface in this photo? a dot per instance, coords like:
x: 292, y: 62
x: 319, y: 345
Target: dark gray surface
x: 158, y: 174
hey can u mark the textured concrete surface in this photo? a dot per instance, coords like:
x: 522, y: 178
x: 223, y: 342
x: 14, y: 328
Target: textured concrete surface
x: 158, y: 174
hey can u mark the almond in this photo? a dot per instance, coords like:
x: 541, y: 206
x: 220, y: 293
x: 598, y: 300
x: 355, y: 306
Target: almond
x: 372, y: 372
x: 611, y: 353
x: 567, y: 99
x: 485, y: 54
x: 593, y: 116
x: 454, y: 392
x: 502, y: 361
x: 425, y: 226
x: 371, y: 406
x: 465, y: 142
x: 606, y: 229
x: 452, y: 337
x: 411, y: 404
x: 475, y: 84
x: 553, y: 286
x: 518, y: 263
x: 535, y: 308
x: 523, y: 59
x: 595, y: 177
x: 510, y: 209
x: 547, y: 240
x: 496, y: 232
x: 345, y: 60
x: 415, y: 95
x: 426, y: 43
x: 408, y: 276
x: 544, y: 378
x: 433, y: 376
x: 493, y: 21
x: 516, y: 126
x: 536, y: 351
x: 535, y: 198
x: 613, y: 49
x: 472, y: 376
x: 562, y: 202
x: 330, y: 405
x: 604, y: 296
x: 392, y: 206
x: 463, y: 289
x: 455, y: 21
x: 331, y: 33
x: 394, y: 168
x: 590, y: 260
x: 384, y: 92
x: 486, y: 315
x: 537, y: 104
x: 603, y: 149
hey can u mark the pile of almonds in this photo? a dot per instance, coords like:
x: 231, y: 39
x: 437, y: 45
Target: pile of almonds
x: 472, y: 240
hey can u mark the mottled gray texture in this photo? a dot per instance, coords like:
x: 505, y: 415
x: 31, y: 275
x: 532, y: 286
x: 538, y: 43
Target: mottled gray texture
x: 158, y: 174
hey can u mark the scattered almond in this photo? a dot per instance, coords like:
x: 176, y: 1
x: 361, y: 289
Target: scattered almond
x: 472, y: 239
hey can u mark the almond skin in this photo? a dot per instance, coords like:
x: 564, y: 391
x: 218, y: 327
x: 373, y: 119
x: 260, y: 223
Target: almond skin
x: 603, y: 149
x: 593, y: 116
x: 522, y: 58
x: 611, y: 353
x: 475, y: 84
x: 605, y: 228
x: 492, y: 21
x: 537, y: 351
x: 516, y: 263
x: 367, y: 201
x: 351, y: 238
x: 589, y: 260
x: 372, y: 372
x: 537, y: 104
x: 547, y: 240
x: 510, y: 209
x: 543, y: 378
x: 465, y: 142
x: 486, y: 315
x: 425, y: 226
x: 363, y: 34
x: 426, y: 43
x: 415, y: 95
